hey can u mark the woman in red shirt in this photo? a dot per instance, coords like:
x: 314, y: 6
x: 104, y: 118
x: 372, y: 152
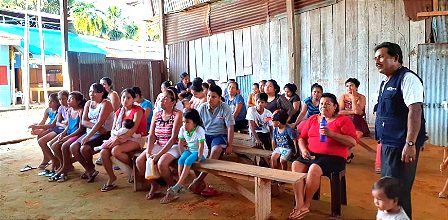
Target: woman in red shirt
x: 120, y: 145
x: 321, y: 158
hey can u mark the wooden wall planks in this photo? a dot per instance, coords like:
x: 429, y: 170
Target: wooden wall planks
x: 335, y: 42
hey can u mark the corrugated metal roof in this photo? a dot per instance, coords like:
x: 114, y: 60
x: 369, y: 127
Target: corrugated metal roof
x: 279, y: 6
x: 185, y: 26
x: 433, y: 69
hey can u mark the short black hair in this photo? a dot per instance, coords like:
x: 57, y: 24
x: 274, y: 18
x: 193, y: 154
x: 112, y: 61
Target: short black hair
x: 128, y: 123
x: 354, y: 81
x: 130, y: 91
x: 292, y: 87
x: 107, y: 80
x: 391, y: 186
x: 215, y: 89
x: 196, y: 85
x: 333, y: 99
x: 183, y: 75
x: 393, y: 49
x: 167, y: 84
x: 280, y: 116
x: 193, y: 115
x: 263, y: 81
x: 256, y: 84
x: 262, y: 97
x: 316, y: 85
x: 137, y: 90
x: 234, y: 82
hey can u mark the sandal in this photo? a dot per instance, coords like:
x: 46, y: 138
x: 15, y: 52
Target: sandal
x: 197, y: 187
x: 53, y: 178
x: 108, y: 187
x: 62, y: 178
x: 169, y: 197
x: 350, y: 158
x: 42, y: 166
x: 209, y: 191
x: 27, y: 167
x: 92, y: 177
x: 443, y: 195
x: 84, y: 176
x: 300, y: 214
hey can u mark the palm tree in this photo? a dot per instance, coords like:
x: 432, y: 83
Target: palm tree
x: 88, y: 20
x: 114, y: 23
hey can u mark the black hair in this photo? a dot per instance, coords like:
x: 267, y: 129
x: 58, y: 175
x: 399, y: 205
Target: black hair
x: 354, y: 81
x: 193, y: 115
x: 130, y: 91
x: 107, y: 80
x: 128, y: 123
x: 173, y: 93
x: 185, y: 95
x: 276, y: 86
x: 393, y: 49
x: 256, y: 84
x: 231, y: 80
x: 333, y: 99
x: 196, y: 85
x: 79, y: 97
x: 316, y: 85
x: 216, y: 89
x: 292, y: 87
x: 205, y: 85
x: 391, y: 187
x: 280, y: 116
x: 63, y: 93
x: 183, y: 75
x: 137, y: 91
x: 100, y: 89
x: 211, y: 82
x: 167, y: 84
x: 262, y: 96
x: 53, y: 97
x: 263, y: 81
x: 236, y: 84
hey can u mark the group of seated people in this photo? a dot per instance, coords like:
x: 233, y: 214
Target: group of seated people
x: 196, y: 120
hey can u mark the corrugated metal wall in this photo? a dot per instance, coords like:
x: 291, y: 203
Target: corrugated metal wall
x: 440, y: 24
x: 187, y: 25
x: 125, y: 73
x: 245, y: 86
x: 433, y: 68
x: 177, y: 60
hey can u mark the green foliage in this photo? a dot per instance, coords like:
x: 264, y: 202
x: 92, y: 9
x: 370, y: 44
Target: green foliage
x: 88, y: 20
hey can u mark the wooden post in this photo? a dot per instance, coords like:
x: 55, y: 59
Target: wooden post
x: 25, y: 63
x: 291, y: 43
x: 162, y: 33
x: 42, y: 52
x: 262, y: 198
x: 64, y: 45
x: 435, y: 5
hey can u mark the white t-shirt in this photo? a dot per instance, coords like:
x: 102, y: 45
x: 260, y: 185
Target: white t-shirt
x: 401, y: 215
x: 193, y: 139
x: 411, y: 87
x: 263, y: 121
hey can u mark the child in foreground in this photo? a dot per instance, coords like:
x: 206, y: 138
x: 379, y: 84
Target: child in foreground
x: 260, y: 122
x: 191, y: 134
x: 386, y: 193
x: 125, y: 126
x: 284, y: 141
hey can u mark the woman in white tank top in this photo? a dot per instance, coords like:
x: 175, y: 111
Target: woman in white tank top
x: 97, y: 118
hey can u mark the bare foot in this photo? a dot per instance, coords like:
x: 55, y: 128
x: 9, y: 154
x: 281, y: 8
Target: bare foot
x: 153, y: 191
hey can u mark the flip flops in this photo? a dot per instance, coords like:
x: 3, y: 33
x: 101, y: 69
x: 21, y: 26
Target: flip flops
x: 27, y: 168
x: 46, y: 173
x: 169, y: 197
x: 92, y: 177
x: 209, y: 191
x: 108, y: 187
x: 298, y: 214
x: 443, y: 195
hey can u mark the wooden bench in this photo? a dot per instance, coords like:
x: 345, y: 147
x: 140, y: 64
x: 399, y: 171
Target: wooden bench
x: 258, y: 154
x: 228, y: 171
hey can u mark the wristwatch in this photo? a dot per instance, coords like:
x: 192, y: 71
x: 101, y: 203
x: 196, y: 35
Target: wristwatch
x: 410, y: 143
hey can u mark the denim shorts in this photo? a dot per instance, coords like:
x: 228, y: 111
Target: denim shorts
x: 213, y: 140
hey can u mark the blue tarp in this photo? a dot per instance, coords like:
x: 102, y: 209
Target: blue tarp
x: 52, y: 41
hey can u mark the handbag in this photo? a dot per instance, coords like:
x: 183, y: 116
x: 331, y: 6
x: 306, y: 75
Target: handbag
x: 151, y: 170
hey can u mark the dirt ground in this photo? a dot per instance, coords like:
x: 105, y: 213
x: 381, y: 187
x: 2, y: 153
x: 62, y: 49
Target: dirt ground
x: 26, y: 195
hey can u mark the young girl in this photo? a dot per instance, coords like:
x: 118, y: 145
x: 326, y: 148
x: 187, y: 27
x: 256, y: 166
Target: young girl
x: 386, y: 192
x: 192, y: 137
x: 41, y: 129
x: 61, y: 147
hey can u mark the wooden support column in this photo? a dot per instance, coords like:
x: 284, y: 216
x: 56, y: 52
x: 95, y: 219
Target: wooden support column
x: 292, y: 53
x: 64, y: 44
x: 262, y: 198
x: 162, y: 34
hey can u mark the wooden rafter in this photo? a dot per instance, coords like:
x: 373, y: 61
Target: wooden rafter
x: 435, y: 12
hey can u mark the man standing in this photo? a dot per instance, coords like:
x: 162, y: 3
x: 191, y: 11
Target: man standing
x: 400, y: 123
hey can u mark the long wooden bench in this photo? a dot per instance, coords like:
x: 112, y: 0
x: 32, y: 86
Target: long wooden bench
x: 228, y: 171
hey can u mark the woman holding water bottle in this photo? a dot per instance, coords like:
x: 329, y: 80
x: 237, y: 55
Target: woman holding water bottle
x: 324, y: 143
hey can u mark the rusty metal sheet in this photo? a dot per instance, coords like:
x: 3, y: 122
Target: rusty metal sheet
x: 177, y: 60
x: 187, y: 25
x: 412, y: 7
x: 433, y: 69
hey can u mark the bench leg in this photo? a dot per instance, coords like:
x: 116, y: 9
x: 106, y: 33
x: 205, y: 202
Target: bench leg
x: 140, y: 182
x: 262, y: 198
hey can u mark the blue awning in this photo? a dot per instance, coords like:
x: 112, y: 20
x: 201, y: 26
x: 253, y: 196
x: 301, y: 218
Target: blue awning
x: 52, y: 41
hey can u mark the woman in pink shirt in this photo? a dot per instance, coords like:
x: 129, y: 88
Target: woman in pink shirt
x: 321, y: 158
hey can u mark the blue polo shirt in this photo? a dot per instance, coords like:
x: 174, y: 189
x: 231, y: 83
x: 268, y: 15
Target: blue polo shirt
x: 217, y: 121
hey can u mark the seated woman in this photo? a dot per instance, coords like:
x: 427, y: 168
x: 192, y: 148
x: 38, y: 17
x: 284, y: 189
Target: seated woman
x: 133, y: 139
x: 97, y: 118
x: 251, y: 101
x: 353, y: 104
x: 218, y: 123
x: 184, y: 83
x: 277, y: 101
x: 290, y: 94
x: 145, y: 104
x: 237, y: 106
x: 310, y: 105
x: 199, y: 94
x: 162, y: 141
x: 321, y: 158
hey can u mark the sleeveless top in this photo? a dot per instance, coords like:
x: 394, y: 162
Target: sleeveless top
x: 52, y: 115
x: 141, y: 129
x: 72, y: 123
x: 312, y: 109
x: 164, y: 129
x: 94, y: 114
x: 358, y: 120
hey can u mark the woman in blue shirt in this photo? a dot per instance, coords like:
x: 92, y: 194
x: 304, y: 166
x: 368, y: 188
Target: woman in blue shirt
x: 236, y: 103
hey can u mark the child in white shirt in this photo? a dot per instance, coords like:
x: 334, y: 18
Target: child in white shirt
x: 386, y: 193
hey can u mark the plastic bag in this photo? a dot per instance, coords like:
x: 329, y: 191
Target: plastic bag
x: 151, y: 170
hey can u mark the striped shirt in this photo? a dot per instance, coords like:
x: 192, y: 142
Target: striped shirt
x: 164, y: 129
x: 312, y: 109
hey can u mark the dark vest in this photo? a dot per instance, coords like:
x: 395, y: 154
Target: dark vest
x: 392, y: 113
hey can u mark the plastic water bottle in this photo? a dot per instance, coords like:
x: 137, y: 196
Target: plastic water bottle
x: 323, y: 123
